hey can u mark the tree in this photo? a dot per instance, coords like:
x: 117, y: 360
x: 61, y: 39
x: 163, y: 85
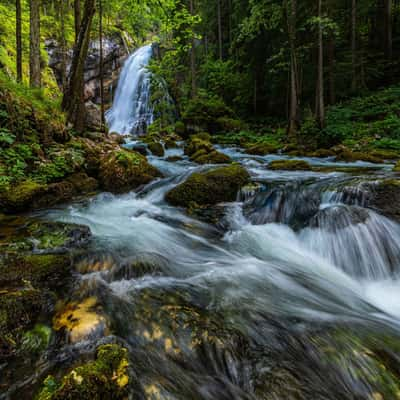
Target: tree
x: 388, y: 39
x: 34, y: 55
x: 77, y: 17
x: 219, y: 17
x: 193, y: 56
x: 62, y: 13
x: 291, y: 17
x: 73, y: 100
x: 319, y: 100
x: 354, y: 44
x: 101, y: 66
x: 18, y: 37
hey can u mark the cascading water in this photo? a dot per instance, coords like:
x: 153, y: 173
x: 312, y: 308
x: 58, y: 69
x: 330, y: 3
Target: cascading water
x: 131, y: 111
x: 296, y: 296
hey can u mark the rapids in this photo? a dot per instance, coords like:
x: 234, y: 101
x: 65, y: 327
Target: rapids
x: 282, y: 298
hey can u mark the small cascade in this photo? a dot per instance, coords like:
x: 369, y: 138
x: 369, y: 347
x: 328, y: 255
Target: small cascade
x: 132, y: 112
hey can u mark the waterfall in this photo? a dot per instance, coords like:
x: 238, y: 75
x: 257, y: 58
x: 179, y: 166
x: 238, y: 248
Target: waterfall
x: 131, y: 111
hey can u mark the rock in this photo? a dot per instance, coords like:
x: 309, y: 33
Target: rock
x: 19, y: 310
x: 196, y: 144
x: 289, y: 165
x: 215, y: 157
x: 261, y: 149
x: 156, y: 149
x: 93, y: 116
x: 82, y: 183
x: 321, y: 153
x: 170, y: 143
x: 384, y: 197
x: 124, y: 170
x: 41, y: 271
x: 41, y: 236
x: 345, y: 154
x: 397, y: 167
x: 212, y: 187
x: 174, y: 158
x: 107, y: 377
x: 81, y: 321
x: 20, y: 197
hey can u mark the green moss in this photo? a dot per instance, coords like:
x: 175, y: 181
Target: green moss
x: 212, y: 187
x: 351, y: 156
x: 105, y: 378
x: 40, y: 270
x: 215, y: 157
x: 289, y: 165
x: 196, y: 144
x: 37, y: 339
x: 123, y: 170
x: 261, y: 149
x: 21, y: 196
x: 156, y: 149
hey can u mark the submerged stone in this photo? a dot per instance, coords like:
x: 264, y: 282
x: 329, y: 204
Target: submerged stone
x: 212, y: 187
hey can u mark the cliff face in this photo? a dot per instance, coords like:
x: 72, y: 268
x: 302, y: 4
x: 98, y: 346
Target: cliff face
x: 115, y: 53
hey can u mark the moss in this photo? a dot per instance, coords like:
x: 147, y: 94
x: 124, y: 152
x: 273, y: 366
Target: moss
x: 385, y: 154
x: 350, y: 156
x: 212, y: 187
x: 156, y: 149
x: 124, y: 170
x: 196, y: 144
x: 321, y: 153
x: 397, y: 167
x: 261, y: 149
x: 19, y: 310
x: 82, y: 183
x: 37, y: 339
x: 107, y: 377
x: 170, y: 143
x: 41, y: 271
x: 289, y: 165
x: 215, y: 157
x: 21, y: 196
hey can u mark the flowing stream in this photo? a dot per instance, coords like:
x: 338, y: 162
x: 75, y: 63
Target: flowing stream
x: 291, y: 292
x: 253, y: 305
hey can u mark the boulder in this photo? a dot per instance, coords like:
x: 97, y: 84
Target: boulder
x: 156, y: 149
x: 384, y: 196
x: 212, y: 187
x: 289, y: 165
x: 123, y: 170
x: 93, y: 116
x: 261, y: 149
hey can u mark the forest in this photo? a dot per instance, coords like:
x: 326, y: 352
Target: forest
x: 200, y: 199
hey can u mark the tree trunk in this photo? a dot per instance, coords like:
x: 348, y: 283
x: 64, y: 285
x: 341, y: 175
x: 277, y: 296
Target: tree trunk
x: 77, y: 17
x: 219, y: 17
x: 34, y: 44
x: 320, y: 104
x: 101, y: 69
x: 354, y: 44
x: 294, y: 104
x: 73, y: 100
x: 18, y: 37
x: 388, y: 29
x: 332, y: 65
x: 63, y: 45
x: 193, y: 57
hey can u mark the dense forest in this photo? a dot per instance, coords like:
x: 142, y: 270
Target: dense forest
x: 199, y: 199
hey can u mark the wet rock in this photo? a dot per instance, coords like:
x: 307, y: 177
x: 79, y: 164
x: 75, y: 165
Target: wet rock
x: 385, y: 197
x: 170, y: 143
x: 107, y: 377
x: 82, y: 183
x: 345, y: 154
x: 212, y: 187
x: 124, y: 170
x: 214, y: 157
x: 174, y: 158
x: 196, y: 144
x: 289, y: 165
x: 336, y: 218
x: 41, y: 271
x: 22, y: 196
x: 261, y: 149
x: 156, y: 149
x: 19, y: 310
x: 81, y: 321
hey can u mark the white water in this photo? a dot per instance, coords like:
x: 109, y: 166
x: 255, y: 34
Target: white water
x: 131, y: 112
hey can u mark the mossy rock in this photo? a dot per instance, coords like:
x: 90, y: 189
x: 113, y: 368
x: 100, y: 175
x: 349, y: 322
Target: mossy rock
x: 156, y: 149
x: 42, y: 271
x: 42, y: 236
x: 346, y: 155
x: 170, y: 144
x: 261, y: 149
x: 125, y: 170
x: 289, y: 165
x: 321, y: 153
x: 212, y: 187
x: 174, y: 159
x: 197, y: 144
x: 397, y: 167
x: 385, y: 197
x: 19, y: 311
x: 385, y: 154
x: 107, y: 377
x: 21, y: 196
x: 82, y: 183
x: 215, y: 157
